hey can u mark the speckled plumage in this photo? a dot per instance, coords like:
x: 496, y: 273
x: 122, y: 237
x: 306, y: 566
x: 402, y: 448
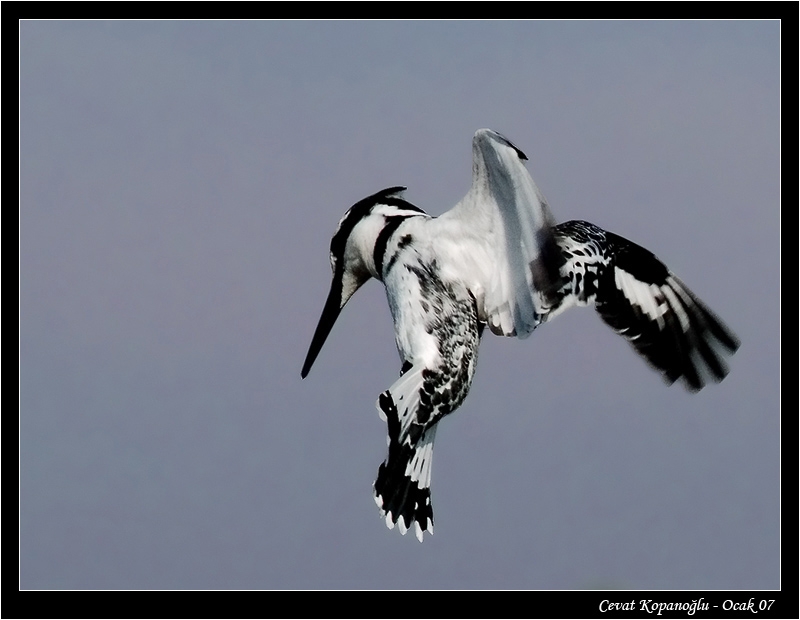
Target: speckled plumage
x: 431, y: 386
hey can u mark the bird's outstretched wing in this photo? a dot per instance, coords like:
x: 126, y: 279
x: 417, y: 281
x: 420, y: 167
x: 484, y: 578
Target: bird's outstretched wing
x: 501, y: 234
x: 643, y: 301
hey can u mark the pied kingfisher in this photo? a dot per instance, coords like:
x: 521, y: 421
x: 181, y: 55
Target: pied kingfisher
x: 497, y: 259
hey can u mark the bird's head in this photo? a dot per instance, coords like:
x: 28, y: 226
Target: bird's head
x: 354, y: 253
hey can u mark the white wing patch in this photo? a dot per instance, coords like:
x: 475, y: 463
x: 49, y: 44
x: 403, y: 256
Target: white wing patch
x: 650, y: 298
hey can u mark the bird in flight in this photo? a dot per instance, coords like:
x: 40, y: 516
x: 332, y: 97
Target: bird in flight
x: 498, y: 260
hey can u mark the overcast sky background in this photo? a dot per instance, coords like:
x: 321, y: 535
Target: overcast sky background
x: 180, y: 182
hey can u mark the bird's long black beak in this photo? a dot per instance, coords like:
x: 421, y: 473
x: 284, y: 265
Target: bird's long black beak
x: 333, y: 306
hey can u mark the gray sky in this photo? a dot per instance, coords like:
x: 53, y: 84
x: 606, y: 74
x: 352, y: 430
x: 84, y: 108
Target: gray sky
x: 180, y: 183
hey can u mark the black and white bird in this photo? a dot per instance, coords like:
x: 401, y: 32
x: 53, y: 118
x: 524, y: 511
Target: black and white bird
x: 497, y: 259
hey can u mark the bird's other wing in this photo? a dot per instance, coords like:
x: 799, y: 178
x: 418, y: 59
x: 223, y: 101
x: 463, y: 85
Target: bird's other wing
x: 643, y: 301
x: 514, y: 254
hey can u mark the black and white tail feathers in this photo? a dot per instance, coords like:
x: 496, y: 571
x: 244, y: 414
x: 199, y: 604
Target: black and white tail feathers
x: 402, y: 488
x: 643, y: 301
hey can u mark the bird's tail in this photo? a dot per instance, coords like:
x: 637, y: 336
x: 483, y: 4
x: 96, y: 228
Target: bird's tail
x: 402, y: 488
